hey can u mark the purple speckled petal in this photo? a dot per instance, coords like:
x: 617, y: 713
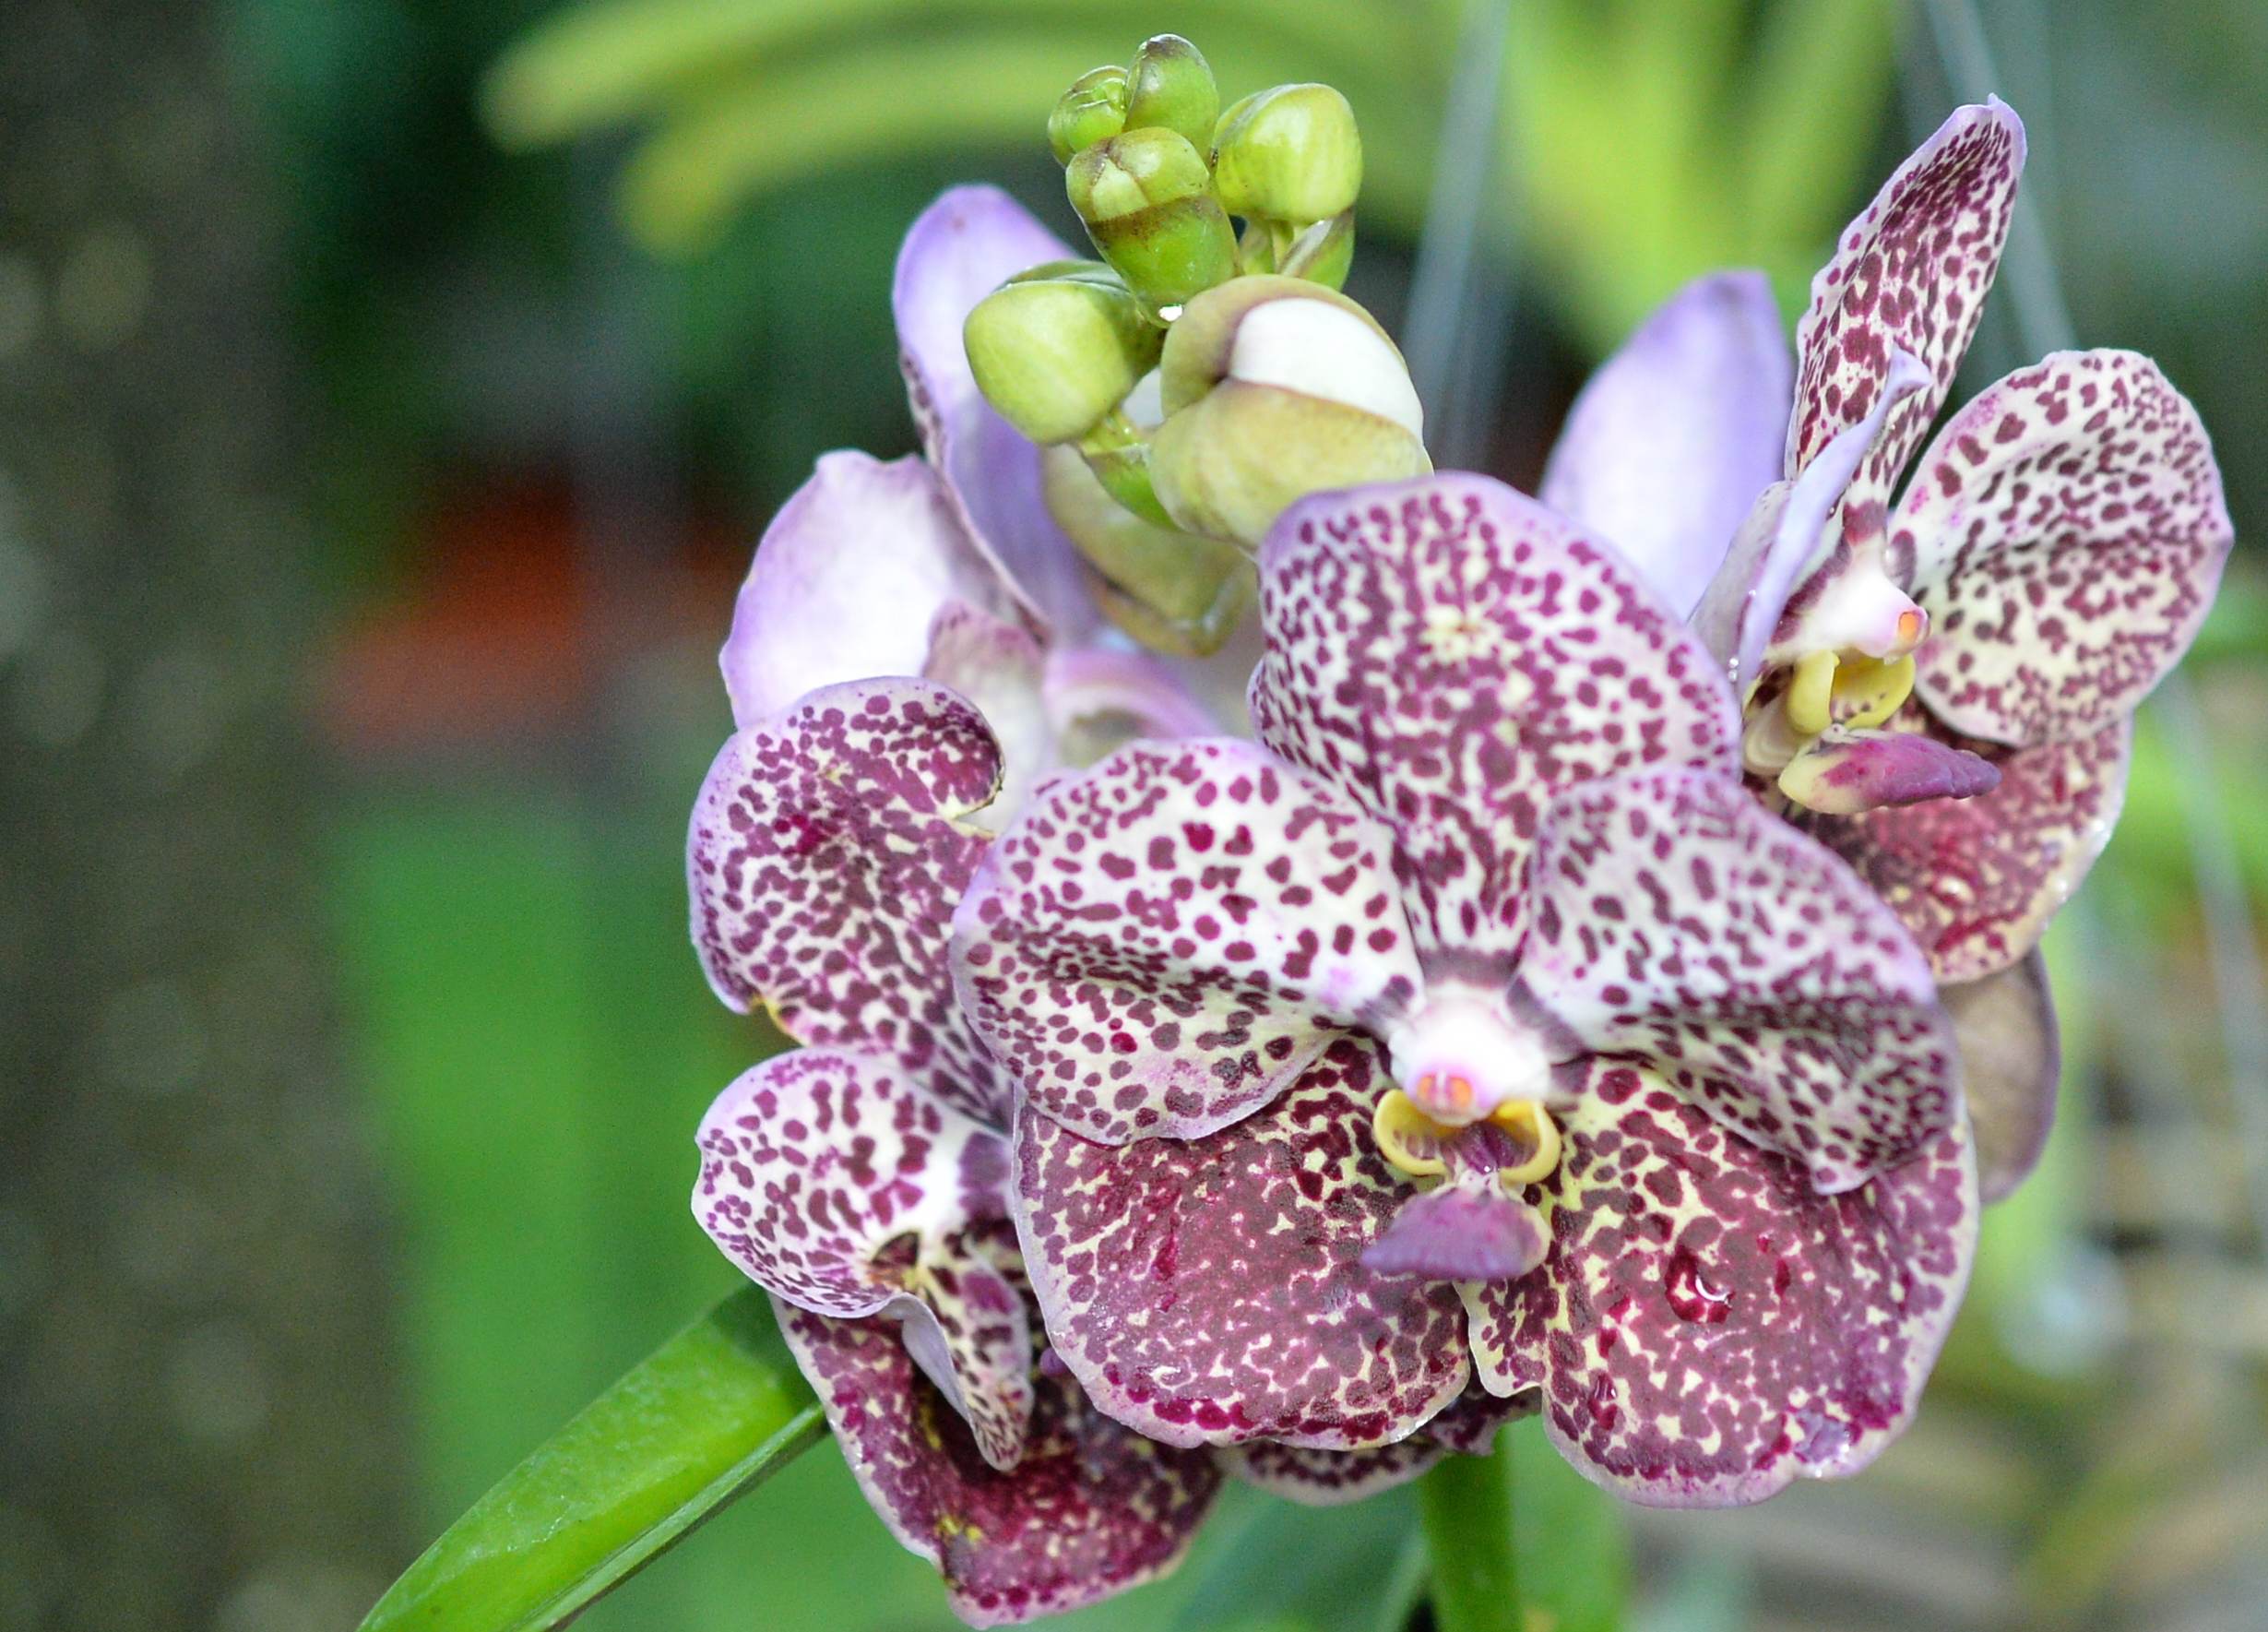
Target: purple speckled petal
x: 1451, y: 653
x: 965, y: 245
x: 1847, y: 772
x: 828, y: 847
x: 2012, y: 1063
x: 1908, y: 275
x: 1785, y: 539
x: 1163, y: 944
x: 1707, y: 1326
x: 1330, y: 1478
x: 1091, y: 1510
x: 1679, y: 924
x: 818, y: 1166
x: 1976, y: 880
x: 846, y: 582
x: 2066, y: 532
x: 1670, y: 442
x: 1212, y: 1291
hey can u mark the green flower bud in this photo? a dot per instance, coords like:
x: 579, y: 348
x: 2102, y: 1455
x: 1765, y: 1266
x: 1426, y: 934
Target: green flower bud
x: 1054, y: 350
x: 1275, y: 388
x: 1146, y: 198
x: 1093, y: 110
x: 1171, y: 87
x: 1171, y: 590
x: 1289, y: 154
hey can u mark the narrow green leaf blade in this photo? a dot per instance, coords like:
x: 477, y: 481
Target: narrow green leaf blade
x: 702, y: 1419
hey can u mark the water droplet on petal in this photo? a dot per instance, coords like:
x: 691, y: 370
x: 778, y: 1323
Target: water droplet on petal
x: 1692, y: 1293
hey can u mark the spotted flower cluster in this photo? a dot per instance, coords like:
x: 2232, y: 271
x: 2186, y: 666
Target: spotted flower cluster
x: 1534, y: 1013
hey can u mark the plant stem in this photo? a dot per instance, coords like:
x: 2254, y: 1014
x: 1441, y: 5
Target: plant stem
x: 1466, y: 1506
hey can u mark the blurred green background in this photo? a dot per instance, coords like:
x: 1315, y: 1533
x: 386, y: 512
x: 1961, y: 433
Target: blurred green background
x: 390, y: 391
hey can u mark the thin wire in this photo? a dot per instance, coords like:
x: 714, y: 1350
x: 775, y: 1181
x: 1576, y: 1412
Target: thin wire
x: 1441, y: 327
x: 2232, y: 941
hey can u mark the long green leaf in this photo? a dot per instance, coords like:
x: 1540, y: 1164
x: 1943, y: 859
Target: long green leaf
x: 706, y: 1416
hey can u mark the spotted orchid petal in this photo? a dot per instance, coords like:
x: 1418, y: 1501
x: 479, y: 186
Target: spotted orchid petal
x: 1679, y: 924
x: 1908, y: 275
x: 1450, y: 653
x: 2065, y: 532
x: 1847, y: 771
x: 818, y: 1167
x: 846, y: 582
x: 1212, y: 1291
x: 995, y: 663
x: 1976, y: 880
x: 1670, y: 442
x: 1091, y: 1510
x: 961, y: 248
x: 828, y: 847
x: 1708, y: 1327
x: 1164, y: 944
x: 2012, y: 1063
x: 1787, y: 541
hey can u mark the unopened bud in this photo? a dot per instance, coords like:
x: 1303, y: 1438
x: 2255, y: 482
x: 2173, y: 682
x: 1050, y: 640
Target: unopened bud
x: 1146, y: 198
x: 1093, y: 110
x: 1171, y: 590
x: 1289, y: 154
x: 1275, y: 389
x: 1171, y: 87
x: 1057, y: 348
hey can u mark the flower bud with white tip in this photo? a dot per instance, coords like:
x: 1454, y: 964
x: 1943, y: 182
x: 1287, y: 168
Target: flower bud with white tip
x: 1275, y: 388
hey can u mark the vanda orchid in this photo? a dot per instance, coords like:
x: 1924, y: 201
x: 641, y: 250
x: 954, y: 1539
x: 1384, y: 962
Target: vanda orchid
x: 1483, y: 1037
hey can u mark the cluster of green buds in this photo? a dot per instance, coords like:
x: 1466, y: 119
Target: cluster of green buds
x: 1197, y: 379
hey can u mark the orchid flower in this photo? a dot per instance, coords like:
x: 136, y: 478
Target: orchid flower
x: 948, y: 565
x: 862, y: 1179
x: 1475, y: 1025
x: 1941, y: 690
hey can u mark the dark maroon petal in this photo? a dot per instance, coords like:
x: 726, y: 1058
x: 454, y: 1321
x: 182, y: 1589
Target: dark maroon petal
x: 1976, y: 880
x: 1680, y: 924
x: 1850, y: 771
x: 2065, y: 533
x: 1091, y: 1510
x: 1330, y: 1478
x: 838, y: 1186
x: 828, y: 849
x: 1707, y: 1326
x: 1163, y: 944
x: 1460, y: 1232
x: 1451, y: 653
x: 1212, y: 1291
x: 2012, y: 1063
x: 1908, y: 275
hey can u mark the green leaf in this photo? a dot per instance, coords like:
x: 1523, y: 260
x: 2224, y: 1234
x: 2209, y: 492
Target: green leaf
x: 708, y: 1415
x: 1569, y: 1535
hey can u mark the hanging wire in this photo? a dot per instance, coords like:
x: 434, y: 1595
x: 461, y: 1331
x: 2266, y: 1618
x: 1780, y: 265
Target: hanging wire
x: 2232, y: 941
x: 1460, y: 299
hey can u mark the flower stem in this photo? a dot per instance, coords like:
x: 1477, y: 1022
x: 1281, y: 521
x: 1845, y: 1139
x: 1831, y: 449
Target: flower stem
x: 1466, y: 1506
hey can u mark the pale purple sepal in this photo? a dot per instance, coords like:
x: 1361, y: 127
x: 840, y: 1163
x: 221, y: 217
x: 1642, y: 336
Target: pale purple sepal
x: 1674, y: 437
x: 848, y: 578
x: 1088, y: 685
x: 962, y: 247
x: 1782, y: 539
